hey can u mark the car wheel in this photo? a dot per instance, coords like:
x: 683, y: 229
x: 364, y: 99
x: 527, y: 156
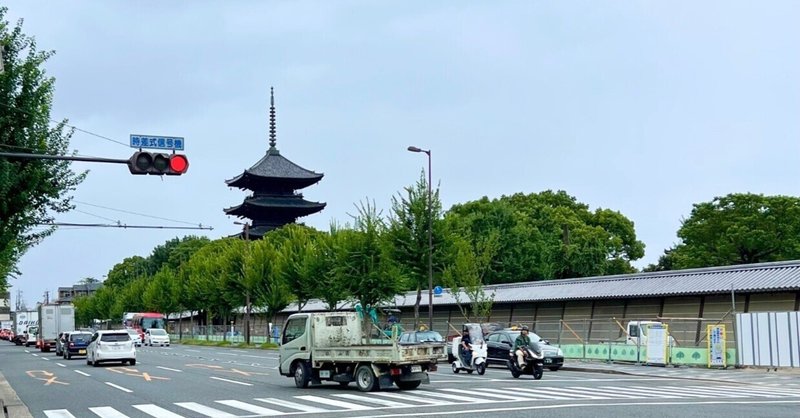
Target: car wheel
x: 95, y: 363
x: 302, y: 375
x: 555, y: 369
x: 409, y: 385
x: 365, y: 378
x: 133, y: 362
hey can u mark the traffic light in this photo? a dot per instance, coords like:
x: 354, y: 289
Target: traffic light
x: 158, y: 164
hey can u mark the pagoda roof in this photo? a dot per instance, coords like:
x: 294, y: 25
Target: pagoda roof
x: 274, y: 166
x: 295, y: 205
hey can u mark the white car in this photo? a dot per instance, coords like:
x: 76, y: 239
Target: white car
x: 111, y: 345
x: 135, y: 336
x: 156, y: 336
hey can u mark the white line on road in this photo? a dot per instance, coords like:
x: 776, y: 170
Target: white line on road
x: 194, y: 351
x: 172, y: 370
x: 231, y: 381
x: 83, y: 373
x: 62, y: 365
x: 205, y: 410
x: 156, y: 411
x: 119, y: 387
x: 107, y: 412
x: 58, y: 413
x: 46, y: 358
x: 261, y: 411
x: 35, y: 355
x: 578, y: 405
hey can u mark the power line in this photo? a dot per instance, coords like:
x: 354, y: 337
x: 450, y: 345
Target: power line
x: 135, y: 213
x: 97, y: 216
x: 67, y: 125
x: 125, y: 226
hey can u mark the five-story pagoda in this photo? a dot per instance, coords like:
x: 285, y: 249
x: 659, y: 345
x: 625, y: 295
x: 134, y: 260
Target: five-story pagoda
x: 273, y: 181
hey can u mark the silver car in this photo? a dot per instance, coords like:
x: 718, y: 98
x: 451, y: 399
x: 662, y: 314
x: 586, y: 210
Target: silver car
x: 135, y: 336
x: 111, y: 345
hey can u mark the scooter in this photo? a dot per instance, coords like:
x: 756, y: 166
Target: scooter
x: 479, y: 350
x: 534, y: 363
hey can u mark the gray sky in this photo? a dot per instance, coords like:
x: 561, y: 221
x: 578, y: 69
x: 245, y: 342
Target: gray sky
x: 645, y: 107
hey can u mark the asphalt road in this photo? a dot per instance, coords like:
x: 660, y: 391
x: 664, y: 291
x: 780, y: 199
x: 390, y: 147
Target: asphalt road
x: 188, y: 381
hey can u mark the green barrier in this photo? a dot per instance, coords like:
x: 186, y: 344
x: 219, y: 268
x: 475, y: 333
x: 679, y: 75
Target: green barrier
x: 622, y: 352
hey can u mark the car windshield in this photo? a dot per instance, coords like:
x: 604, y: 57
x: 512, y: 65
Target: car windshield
x: 429, y: 336
x: 133, y: 332
x: 81, y: 338
x: 115, y: 337
x: 158, y: 332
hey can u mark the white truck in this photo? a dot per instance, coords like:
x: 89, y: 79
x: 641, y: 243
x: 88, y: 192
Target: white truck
x: 53, y: 320
x: 23, y: 320
x: 637, y: 333
x: 333, y: 346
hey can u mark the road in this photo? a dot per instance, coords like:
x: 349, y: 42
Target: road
x: 189, y: 381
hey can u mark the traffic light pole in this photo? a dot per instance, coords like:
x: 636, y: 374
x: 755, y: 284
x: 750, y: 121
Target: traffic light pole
x: 62, y: 157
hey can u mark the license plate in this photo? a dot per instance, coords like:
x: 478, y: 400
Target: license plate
x: 416, y: 369
x: 548, y: 361
x: 325, y: 374
x: 81, y: 351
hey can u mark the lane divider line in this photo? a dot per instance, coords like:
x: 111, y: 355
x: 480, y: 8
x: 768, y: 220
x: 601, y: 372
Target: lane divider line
x: 232, y: 381
x: 119, y: 387
x: 83, y: 373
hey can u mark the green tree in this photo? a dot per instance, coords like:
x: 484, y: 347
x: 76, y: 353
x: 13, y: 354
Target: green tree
x: 124, y: 273
x: 408, y: 233
x: 364, y: 263
x: 465, y: 276
x: 206, y: 277
x: 31, y: 191
x: 262, y: 268
x: 162, y: 291
x: 294, y: 242
x: 740, y: 228
x: 320, y: 261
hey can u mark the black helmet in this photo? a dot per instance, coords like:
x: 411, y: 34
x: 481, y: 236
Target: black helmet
x: 465, y: 329
x: 524, y: 328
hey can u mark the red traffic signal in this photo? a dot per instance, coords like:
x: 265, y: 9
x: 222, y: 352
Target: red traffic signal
x: 158, y: 164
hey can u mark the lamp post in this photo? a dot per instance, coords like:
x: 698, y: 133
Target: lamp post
x: 430, y: 236
x: 246, y: 227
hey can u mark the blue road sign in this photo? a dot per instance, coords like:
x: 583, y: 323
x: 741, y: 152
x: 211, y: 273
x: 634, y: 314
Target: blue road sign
x: 437, y: 290
x: 158, y: 142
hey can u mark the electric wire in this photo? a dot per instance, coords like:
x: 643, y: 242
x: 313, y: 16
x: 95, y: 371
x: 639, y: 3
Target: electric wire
x: 67, y: 125
x: 135, y: 213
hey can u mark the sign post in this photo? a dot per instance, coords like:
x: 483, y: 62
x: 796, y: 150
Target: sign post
x: 715, y: 334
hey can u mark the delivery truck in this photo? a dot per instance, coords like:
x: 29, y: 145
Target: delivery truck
x: 53, y: 320
x: 23, y: 320
x: 339, y: 347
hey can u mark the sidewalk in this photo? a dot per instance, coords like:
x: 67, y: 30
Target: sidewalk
x: 10, y: 404
x: 730, y: 375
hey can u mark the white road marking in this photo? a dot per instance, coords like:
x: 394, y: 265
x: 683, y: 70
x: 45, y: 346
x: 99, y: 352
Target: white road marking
x: 205, y: 410
x: 62, y: 365
x: 119, y: 387
x: 232, y: 381
x: 172, y: 370
x: 107, y: 412
x: 491, y: 395
x: 557, y: 391
x: 35, y: 355
x: 411, y: 398
x: 58, y: 413
x: 83, y: 373
x: 194, y: 351
x: 292, y: 405
x: 333, y: 402
x: 46, y: 358
x: 374, y: 400
x: 261, y: 411
x: 157, y: 411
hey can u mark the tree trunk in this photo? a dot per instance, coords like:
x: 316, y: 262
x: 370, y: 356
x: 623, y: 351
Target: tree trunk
x: 247, y: 320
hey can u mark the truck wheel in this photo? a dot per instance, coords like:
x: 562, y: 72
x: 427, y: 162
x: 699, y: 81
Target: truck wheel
x: 365, y: 379
x: 409, y: 385
x: 302, y: 375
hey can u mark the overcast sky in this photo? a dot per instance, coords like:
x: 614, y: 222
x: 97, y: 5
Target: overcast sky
x: 645, y: 107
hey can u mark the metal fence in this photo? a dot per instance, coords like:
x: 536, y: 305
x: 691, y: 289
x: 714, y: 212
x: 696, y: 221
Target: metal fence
x: 233, y: 334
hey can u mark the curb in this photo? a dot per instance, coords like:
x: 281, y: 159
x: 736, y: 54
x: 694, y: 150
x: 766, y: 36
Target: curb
x: 620, y: 372
x: 12, y: 405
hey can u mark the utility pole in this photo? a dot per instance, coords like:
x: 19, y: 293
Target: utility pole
x: 246, y: 227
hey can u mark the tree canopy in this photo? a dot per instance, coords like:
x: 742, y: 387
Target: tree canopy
x: 739, y: 228
x: 31, y: 191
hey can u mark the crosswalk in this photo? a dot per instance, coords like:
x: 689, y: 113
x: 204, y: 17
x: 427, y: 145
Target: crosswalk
x: 350, y: 401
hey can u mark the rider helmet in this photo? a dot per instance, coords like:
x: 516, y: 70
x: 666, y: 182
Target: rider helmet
x: 525, y: 328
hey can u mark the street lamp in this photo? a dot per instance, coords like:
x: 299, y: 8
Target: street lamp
x: 246, y: 227
x: 430, y: 237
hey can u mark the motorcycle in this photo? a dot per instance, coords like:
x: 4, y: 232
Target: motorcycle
x: 534, y: 363
x: 479, y: 350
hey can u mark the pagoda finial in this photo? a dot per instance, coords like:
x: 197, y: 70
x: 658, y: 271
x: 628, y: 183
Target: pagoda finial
x: 271, y: 117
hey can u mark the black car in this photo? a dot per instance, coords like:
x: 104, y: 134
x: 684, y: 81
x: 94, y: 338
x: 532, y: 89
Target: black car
x: 501, y: 342
x: 75, y: 344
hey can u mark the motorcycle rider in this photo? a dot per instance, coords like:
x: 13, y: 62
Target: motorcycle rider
x: 521, y: 342
x: 466, y: 345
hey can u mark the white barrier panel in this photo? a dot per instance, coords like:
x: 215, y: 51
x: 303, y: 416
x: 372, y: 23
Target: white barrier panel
x: 769, y: 339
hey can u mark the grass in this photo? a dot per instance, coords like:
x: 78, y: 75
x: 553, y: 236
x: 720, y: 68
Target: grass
x: 264, y: 346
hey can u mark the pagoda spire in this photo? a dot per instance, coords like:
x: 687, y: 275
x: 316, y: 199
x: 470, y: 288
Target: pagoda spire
x: 271, y: 118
